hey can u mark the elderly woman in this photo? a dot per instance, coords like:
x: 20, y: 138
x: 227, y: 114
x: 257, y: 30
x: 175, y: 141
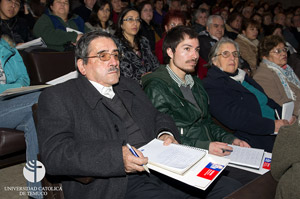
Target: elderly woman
x: 237, y: 101
x: 137, y: 58
x: 52, y: 26
x: 274, y: 74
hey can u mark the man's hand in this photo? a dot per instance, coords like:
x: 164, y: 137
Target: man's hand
x: 133, y: 164
x: 219, y: 148
x: 168, y: 139
x: 240, y: 143
x: 292, y: 120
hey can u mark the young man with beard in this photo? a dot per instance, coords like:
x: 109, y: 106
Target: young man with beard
x: 174, y: 91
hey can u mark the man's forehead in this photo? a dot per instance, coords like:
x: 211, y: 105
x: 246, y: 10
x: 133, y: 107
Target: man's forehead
x: 103, y: 44
x: 217, y: 21
x: 187, y: 41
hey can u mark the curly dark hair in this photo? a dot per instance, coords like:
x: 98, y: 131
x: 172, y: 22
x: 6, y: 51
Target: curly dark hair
x: 268, y: 43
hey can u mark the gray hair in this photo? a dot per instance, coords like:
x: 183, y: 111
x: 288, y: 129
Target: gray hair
x: 198, y: 12
x: 83, y: 45
x: 215, y: 49
x: 211, y: 18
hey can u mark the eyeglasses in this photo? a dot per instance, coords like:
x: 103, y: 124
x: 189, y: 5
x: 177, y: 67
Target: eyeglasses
x: 104, y: 56
x: 131, y: 20
x: 278, y: 50
x: 227, y: 54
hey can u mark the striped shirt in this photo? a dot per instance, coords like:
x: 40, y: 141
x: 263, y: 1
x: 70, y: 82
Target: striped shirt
x: 188, y: 78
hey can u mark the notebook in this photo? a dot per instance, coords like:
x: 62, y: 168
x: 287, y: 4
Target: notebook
x: 176, y: 158
x: 200, y: 174
x: 247, y: 157
x: 287, y: 110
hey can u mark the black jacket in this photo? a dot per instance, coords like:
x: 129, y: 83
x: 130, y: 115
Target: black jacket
x: 80, y: 136
x: 238, y: 109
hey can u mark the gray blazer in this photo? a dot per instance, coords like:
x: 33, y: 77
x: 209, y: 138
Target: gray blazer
x: 80, y: 136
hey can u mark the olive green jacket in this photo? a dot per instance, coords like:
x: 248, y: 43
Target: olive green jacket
x: 196, y: 126
x: 56, y: 38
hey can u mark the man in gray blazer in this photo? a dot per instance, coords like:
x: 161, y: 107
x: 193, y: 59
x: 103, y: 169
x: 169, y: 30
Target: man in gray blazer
x: 85, y: 123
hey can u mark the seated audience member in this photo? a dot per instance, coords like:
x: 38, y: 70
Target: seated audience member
x: 199, y: 20
x: 158, y: 13
x: 280, y: 19
x: 15, y: 27
x: 100, y: 17
x: 137, y: 58
x: 116, y: 9
x: 237, y: 101
x: 85, y: 10
x: 175, y: 92
x: 213, y: 33
x: 295, y: 29
x: 247, y: 12
x: 248, y: 43
x: 171, y: 20
x: 285, y: 166
x: 224, y: 14
x: 233, y: 25
x: 274, y: 75
x: 148, y: 29
x: 15, y: 113
x: 114, y: 111
x: 52, y: 26
x: 174, y: 5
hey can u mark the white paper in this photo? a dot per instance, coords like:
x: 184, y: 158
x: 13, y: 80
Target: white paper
x: 36, y: 42
x: 21, y: 91
x: 287, y: 110
x: 174, y: 157
x: 249, y: 157
x: 71, y: 75
x: 73, y: 30
x: 260, y: 171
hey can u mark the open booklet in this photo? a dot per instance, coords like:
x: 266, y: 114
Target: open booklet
x: 189, y: 165
x: 247, y: 157
x: 265, y: 165
x: 36, y: 42
x: 13, y: 92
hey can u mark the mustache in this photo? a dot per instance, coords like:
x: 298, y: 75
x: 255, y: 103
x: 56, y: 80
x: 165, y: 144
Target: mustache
x: 113, y: 69
x: 192, y: 60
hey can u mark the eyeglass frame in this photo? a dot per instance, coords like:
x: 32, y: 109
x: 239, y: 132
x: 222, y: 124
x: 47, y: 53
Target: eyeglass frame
x: 279, y: 51
x: 231, y: 53
x: 131, y: 20
x: 110, y: 55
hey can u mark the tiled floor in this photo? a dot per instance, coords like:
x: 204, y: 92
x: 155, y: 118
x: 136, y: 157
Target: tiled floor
x: 12, y: 177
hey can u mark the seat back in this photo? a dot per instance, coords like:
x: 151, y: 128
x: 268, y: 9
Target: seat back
x: 45, y: 66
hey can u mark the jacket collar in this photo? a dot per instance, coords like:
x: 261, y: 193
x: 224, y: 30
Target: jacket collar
x: 92, y: 96
x: 215, y: 73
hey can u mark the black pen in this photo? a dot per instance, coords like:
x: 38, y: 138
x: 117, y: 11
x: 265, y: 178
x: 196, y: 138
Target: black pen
x: 226, y: 150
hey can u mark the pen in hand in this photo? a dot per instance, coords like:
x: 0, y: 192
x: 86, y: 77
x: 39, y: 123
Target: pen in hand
x: 136, y: 155
x: 226, y: 150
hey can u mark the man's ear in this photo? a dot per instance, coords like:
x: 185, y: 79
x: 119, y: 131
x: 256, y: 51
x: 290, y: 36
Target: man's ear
x: 81, y: 67
x: 170, y: 53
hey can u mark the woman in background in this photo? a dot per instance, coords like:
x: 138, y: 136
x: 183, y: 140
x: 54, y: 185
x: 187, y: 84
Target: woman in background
x: 274, y: 75
x: 100, y: 18
x: 137, y: 58
x: 52, y: 26
x: 148, y: 29
x: 248, y: 43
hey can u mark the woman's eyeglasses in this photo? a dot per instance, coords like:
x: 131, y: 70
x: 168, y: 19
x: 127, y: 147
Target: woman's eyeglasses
x: 278, y: 50
x: 104, y: 56
x: 131, y: 20
x: 227, y: 54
